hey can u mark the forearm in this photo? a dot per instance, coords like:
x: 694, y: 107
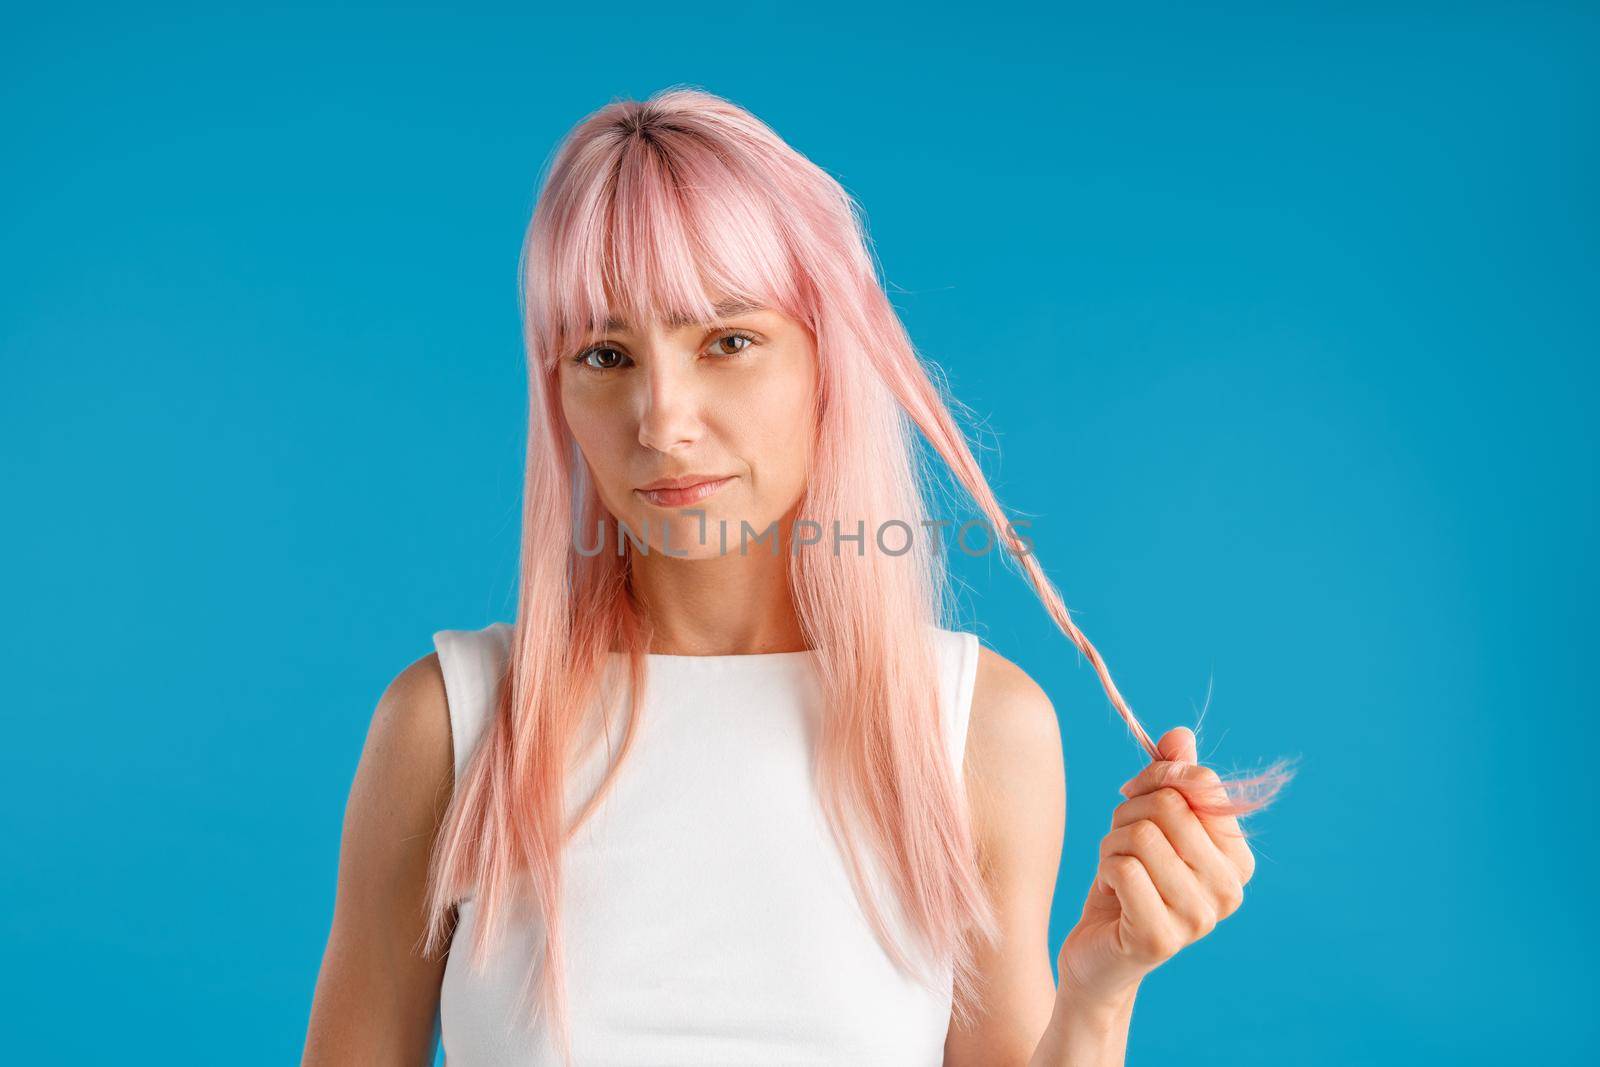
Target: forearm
x: 1085, y: 1034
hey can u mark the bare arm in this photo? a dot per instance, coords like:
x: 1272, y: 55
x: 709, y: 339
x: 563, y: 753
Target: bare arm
x: 1167, y: 876
x: 1016, y: 785
x: 376, y: 997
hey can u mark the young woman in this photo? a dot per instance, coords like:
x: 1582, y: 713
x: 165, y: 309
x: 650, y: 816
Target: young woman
x: 728, y: 791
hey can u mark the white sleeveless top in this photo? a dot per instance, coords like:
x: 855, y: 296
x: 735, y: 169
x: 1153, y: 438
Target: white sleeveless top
x: 708, y: 916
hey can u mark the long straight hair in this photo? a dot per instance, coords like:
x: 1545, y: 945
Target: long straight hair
x: 658, y: 209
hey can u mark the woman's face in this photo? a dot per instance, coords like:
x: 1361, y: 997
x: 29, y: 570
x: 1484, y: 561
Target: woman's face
x: 730, y: 402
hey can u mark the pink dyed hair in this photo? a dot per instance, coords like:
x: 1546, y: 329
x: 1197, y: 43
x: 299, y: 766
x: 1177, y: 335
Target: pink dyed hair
x: 652, y: 210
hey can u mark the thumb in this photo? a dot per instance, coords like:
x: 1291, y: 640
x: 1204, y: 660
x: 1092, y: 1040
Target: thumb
x: 1178, y: 744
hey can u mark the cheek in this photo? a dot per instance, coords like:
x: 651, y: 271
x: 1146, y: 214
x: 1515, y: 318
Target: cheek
x: 600, y: 434
x: 781, y: 426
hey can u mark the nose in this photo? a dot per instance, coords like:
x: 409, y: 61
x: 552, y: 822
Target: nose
x: 669, y: 416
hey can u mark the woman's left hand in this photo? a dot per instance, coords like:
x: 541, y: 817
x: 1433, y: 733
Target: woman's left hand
x: 1167, y: 876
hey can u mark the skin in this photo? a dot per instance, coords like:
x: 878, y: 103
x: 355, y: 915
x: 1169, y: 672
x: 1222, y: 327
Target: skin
x: 656, y: 402
x: 376, y: 995
x: 664, y: 401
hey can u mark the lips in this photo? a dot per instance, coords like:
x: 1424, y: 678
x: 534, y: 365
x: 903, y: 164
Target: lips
x: 683, y: 491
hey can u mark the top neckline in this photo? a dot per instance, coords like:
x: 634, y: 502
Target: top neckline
x: 733, y: 659
x: 726, y: 659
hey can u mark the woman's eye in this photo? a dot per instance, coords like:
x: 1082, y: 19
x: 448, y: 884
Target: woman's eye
x: 604, y: 357
x: 725, y: 338
x: 585, y: 357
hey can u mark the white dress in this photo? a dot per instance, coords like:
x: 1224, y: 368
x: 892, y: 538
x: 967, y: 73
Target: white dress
x: 709, y: 919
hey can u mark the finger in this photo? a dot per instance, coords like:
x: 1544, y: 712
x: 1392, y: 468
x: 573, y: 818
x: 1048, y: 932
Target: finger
x: 1178, y: 745
x: 1169, y: 809
x: 1206, y: 793
x: 1209, y: 798
x: 1204, y: 789
x: 1146, y: 929
x: 1186, y: 900
x: 1155, y: 775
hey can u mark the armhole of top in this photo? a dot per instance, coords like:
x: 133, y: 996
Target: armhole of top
x: 966, y: 682
x: 471, y: 662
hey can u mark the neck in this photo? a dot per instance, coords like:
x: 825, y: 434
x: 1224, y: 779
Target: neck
x: 732, y: 604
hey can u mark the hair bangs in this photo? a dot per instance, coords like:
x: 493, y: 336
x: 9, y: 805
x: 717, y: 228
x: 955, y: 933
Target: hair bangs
x: 673, y: 234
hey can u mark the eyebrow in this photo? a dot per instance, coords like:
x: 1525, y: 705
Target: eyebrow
x: 724, y: 310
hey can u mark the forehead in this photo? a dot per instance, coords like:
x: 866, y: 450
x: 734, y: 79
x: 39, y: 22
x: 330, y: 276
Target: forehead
x: 721, y: 309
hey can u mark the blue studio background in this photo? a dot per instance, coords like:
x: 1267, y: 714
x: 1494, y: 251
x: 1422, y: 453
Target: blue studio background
x: 1279, y: 319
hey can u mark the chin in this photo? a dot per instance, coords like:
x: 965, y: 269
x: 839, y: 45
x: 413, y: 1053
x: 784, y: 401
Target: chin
x: 714, y: 533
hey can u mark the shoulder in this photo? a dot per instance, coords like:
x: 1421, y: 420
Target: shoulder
x: 407, y: 754
x: 1013, y: 721
x: 397, y: 800
x: 1014, y: 764
x: 413, y: 703
x: 403, y: 780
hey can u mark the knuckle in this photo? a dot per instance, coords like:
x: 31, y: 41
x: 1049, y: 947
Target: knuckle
x: 1199, y: 921
x: 1165, y: 944
x: 1119, y: 866
x: 1170, y: 801
x: 1145, y: 833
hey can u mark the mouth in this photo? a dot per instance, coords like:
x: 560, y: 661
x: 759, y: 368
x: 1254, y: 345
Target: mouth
x: 677, y: 496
